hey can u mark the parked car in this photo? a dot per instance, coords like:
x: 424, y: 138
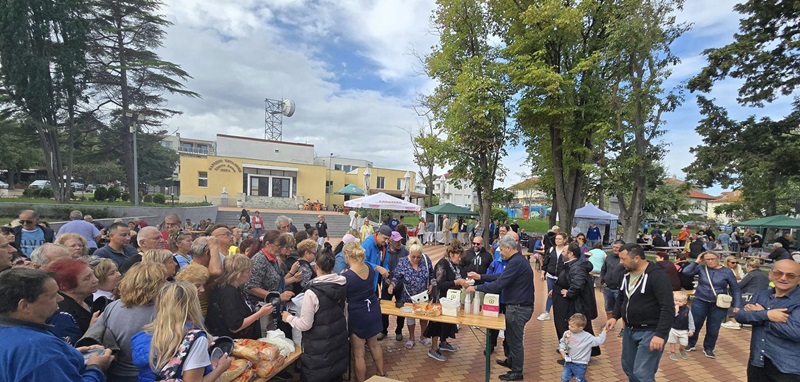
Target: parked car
x: 40, y: 184
x: 90, y: 187
x: 672, y: 222
x: 3, y: 185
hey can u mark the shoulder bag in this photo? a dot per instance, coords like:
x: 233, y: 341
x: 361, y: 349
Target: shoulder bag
x: 723, y: 300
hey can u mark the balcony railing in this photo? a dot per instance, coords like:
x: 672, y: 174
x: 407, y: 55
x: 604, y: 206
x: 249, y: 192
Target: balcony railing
x: 194, y: 150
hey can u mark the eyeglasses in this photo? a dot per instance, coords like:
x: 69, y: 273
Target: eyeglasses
x: 789, y: 276
x: 733, y: 262
x: 474, y: 243
x: 26, y: 222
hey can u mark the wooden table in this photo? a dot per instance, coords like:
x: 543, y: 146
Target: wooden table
x: 289, y: 360
x: 495, y: 323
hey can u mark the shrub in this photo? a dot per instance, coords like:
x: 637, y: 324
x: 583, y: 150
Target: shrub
x: 159, y: 198
x: 114, y: 193
x: 30, y: 193
x: 126, y: 196
x: 148, y: 198
x: 499, y: 214
x: 100, y: 194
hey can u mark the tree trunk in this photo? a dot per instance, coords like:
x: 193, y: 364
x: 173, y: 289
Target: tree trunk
x: 127, y: 141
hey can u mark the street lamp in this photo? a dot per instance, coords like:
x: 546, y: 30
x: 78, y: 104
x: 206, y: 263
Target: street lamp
x: 407, y: 188
x: 136, y: 117
x: 330, y: 181
x: 367, y: 174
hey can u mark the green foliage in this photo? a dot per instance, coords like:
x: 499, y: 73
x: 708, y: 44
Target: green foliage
x: 100, y: 193
x: 666, y: 200
x: 93, y: 171
x: 471, y: 102
x: 502, y: 196
x: 148, y: 198
x: 159, y: 198
x: 43, y: 193
x: 156, y: 162
x: 113, y: 193
x: 498, y: 214
x: 126, y: 196
x: 19, y: 148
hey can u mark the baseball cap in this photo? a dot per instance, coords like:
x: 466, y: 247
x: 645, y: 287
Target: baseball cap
x: 349, y: 239
x: 396, y: 236
x: 385, y: 230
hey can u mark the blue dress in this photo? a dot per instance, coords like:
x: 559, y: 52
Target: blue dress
x: 363, y: 307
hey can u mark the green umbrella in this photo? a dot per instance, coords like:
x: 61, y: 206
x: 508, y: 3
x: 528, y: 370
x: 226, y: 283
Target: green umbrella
x: 350, y: 189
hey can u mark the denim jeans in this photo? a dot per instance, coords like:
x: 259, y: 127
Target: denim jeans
x: 577, y: 370
x: 516, y: 318
x: 639, y: 362
x: 592, y: 242
x: 550, y: 284
x: 611, y: 296
x: 709, y: 313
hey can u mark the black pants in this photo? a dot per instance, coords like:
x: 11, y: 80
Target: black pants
x: 401, y: 321
x: 494, y: 333
x: 769, y: 373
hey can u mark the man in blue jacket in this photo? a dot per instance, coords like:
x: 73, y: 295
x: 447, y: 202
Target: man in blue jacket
x: 30, y: 351
x: 775, y: 316
x: 376, y: 253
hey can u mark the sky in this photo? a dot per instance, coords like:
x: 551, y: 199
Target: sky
x: 353, y: 69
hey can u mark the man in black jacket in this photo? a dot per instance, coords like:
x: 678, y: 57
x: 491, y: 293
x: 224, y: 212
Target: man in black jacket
x: 611, y: 275
x: 476, y: 259
x: 647, y: 308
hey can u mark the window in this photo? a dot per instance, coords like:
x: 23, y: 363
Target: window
x: 328, y: 186
x: 167, y: 144
x: 202, y: 179
x: 202, y: 149
x: 337, y: 167
x: 281, y: 187
x: 381, y: 182
x: 400, y: 183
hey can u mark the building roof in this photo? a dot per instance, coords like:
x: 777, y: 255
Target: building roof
x: 694, y: 194
x: 264, y: 140
x: 530, y: 183
x: 729, y: 197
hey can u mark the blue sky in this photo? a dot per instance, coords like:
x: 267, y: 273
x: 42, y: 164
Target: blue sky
x: 353, y: 68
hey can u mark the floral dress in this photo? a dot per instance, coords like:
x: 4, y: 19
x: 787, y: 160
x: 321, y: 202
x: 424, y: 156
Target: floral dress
x: 413, y: 281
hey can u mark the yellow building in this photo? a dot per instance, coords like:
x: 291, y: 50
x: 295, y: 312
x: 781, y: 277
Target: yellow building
x: 279, y: 175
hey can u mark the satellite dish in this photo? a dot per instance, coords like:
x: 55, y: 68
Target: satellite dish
x: 287, y: 107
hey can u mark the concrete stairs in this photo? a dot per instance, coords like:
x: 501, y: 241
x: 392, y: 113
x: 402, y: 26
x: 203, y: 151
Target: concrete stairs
x: 338, y: 223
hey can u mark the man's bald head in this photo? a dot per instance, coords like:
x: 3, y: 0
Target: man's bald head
x: 786, y: 275
x: 150, y: 238
x: 48, y: 253
x: 513, y: 234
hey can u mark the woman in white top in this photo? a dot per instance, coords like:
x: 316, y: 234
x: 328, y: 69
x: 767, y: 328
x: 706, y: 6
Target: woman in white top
x: 108, y: 278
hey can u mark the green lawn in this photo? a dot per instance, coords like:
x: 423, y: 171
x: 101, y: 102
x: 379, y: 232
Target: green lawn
x: 533, y: 225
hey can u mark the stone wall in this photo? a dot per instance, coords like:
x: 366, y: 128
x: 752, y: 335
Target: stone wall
x: 265, y: 202
x: 57, y: 214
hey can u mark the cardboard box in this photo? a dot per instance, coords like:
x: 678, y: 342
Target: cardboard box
x: 491, y: 305
x: 455, y: 295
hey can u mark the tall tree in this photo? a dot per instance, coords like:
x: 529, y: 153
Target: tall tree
x: 427, y: 152
x: 19, y: 149
x: 43, y: 62
x: 128, y: 76
x: 639, y: 58
x: 553, y: 51
x: 759, y: 155
x: 471, y: 101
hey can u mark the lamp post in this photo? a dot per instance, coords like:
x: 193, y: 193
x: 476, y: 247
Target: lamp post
x: 330, y: 181
x: 407, y: 191
x: 136, y: 117
x: 367, y: 174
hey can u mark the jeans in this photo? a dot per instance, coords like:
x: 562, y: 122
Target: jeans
x: 611, y: 296
x: 592, y: 242
x: 639, y: 362
x: 708, y: 312
x: 516, y: 318
x: 577, y: 370
x: 259, y: 232
x: 769, y: 373
x: 550, y: 284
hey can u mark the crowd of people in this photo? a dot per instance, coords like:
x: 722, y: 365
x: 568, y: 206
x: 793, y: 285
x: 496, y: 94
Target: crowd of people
x: 150, y: 296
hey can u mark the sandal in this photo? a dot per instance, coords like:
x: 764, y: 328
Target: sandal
x: 409, y: 344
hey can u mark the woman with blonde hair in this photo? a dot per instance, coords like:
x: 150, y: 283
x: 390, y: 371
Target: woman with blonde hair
x: 228, y: 311
x: 363, y: 310
x: 180, y: 244
x: 732, y: 262
x: 161, y: 256
x: 108, y: 278
x: 175, y: 345
x: 196, y: 275
x: 126, y: 316
x: 75, y: 243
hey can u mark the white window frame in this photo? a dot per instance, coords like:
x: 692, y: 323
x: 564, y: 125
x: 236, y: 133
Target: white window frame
x: 250, y: 184
x: 199, y: 178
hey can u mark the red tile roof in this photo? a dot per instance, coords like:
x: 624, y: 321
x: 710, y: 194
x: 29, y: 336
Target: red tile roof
x: 526, y: 184
x: 700, y: 195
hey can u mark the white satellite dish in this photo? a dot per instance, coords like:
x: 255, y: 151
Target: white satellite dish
x: 287, y: 107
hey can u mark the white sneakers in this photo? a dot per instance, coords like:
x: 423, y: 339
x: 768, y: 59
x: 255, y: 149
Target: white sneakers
x: 731, y: 325
x: 543, y: 317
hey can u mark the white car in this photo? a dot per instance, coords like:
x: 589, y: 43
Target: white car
x: 40, y: 184
x: 3, y: 185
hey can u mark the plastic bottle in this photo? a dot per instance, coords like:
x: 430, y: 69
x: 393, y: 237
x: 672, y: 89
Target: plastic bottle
x: 468, y: 304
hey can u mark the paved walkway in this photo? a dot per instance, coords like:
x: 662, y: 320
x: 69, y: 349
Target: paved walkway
x: 540, y: 343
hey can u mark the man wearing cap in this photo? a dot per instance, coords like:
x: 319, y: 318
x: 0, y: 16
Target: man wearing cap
x: 376, y: 253
x: 396, y: 251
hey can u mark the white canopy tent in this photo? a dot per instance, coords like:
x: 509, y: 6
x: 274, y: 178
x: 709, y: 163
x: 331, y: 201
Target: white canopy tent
x: 591, y: 214
x: 382, y: 201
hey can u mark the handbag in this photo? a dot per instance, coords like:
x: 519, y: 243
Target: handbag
x: 100, y: 334
x: 723, y: 300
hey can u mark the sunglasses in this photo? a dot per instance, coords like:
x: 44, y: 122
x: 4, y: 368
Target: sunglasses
x: 27, y: 222
x: 474, y: 243
x: 789, y: 276
x: 732, y: 262
x: 20, y: 262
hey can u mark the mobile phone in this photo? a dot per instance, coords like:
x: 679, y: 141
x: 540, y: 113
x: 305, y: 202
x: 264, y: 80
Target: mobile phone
x: 89, y: 353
